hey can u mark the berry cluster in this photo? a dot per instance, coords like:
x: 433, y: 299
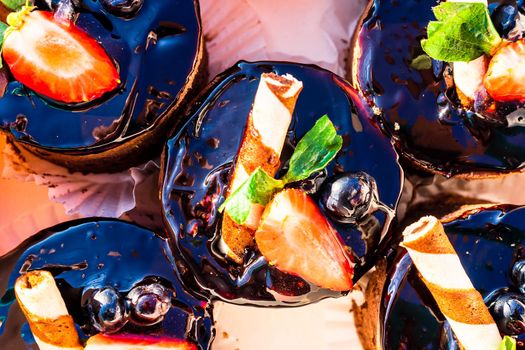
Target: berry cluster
x: 507, y: 306
x: 145, y: 305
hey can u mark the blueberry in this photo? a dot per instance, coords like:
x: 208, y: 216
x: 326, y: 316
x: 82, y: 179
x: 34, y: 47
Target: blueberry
x: 504, y: 18
x: 123, y: 8
x: 149, y: 303
x: 518, y: 275
x: 107, y: 310
x: 508, y: 311
x: 349, y: 197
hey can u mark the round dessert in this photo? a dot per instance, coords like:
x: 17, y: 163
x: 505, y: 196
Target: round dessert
x: 489, y: 242
x: 125, y: 71
x: 450, y: 108
x: 303, y: 170
x: 118, y: 282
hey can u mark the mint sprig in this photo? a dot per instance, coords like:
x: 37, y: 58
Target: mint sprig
x: 314, y: 152
x: 259, y: 188
x: 508, y: 343
x: 15, y: 4
x: 463, y: 32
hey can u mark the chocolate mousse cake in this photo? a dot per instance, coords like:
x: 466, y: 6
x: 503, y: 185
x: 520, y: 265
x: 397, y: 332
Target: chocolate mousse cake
x: 279, y: 191
x: 96, y: 86
x: 98, y: 284
x: 454, y: 283
x: 445, y: 81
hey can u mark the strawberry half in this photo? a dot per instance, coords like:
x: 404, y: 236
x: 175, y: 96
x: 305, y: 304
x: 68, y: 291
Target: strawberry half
x: 505, y: 78
x: 135, y: 342
x: 296, y: 237
x: 56, y: 58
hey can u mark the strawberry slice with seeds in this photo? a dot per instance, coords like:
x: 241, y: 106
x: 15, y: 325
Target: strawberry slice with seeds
x: 57, y: 59
x: 135, y: 342
x: 505, y: 77
x: 296, y: 237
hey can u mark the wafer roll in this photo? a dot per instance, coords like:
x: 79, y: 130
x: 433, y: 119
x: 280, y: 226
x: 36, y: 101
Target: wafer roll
x: 46, y: 312
x: 261, y: 146
x: 442, y: 272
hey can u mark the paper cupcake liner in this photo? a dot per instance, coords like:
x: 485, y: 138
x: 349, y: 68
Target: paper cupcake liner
x: 233, y: 32
x: 275, y: 30
x: 106, y: 195
x: 326, y: 325
x: 148, y: 207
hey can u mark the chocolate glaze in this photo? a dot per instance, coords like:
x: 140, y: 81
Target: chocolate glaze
x: 155, y: 51
x: 488, y: 244
x: 198, y: 163
x: 88, y: 254
x: 424, y: 121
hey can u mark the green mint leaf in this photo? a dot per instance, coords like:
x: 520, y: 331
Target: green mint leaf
x: 314, y: 151
x: 14, y: 4
x: 508, y: 343
x: 421, y: 62
x: 258, y: 188
x: 463, y: 32
x: 3, y: 28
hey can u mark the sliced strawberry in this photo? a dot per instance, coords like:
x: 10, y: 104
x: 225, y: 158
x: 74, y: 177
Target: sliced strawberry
x: 296, y: 238
x: 505, y: 78
x: 136, y: 342
x: 58, y: 60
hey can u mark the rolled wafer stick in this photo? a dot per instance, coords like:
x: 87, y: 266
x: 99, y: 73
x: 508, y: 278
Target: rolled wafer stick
x: 261, y: 146
x: 442, y: 272
x: 46, y: 312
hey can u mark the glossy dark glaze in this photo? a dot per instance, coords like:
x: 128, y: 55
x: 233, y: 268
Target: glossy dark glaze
x: 433, y: 133
x: 198, y: 161
x: 488, y: 244
x: 94, y: 254
x: 152, y: 74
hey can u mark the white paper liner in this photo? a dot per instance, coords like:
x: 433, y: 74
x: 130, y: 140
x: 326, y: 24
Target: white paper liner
x: 148, y: 207
x: 327, y: 325
x: 306, y: 31
x: 106, y: 195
